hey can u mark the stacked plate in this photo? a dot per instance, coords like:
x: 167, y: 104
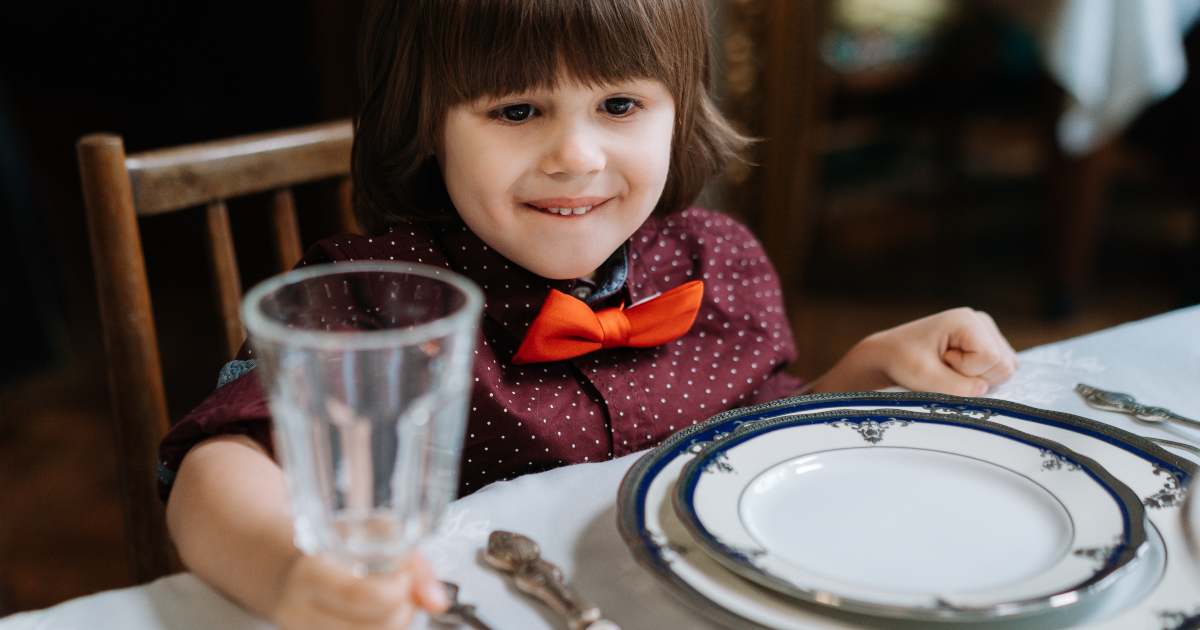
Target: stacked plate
x: 908, y: 510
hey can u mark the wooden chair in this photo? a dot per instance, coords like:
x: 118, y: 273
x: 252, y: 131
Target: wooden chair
x: 117, y: 190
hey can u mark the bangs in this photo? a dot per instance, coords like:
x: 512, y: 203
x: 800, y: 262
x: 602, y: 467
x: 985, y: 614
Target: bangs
x: 473, y: 46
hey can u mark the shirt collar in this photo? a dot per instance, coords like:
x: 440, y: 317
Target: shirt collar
x: 609, y: 279
x: 513, y: 295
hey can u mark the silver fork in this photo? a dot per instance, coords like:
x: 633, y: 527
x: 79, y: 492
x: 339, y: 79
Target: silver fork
x: 1124, y: 403
x: 458, y: 613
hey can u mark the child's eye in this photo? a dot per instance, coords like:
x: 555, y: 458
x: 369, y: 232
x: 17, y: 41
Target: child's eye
x: 620, y: 106
x: 515, y: 113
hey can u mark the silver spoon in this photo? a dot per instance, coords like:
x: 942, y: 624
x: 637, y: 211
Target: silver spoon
x: 1124, y: 403
x: 520, y: 557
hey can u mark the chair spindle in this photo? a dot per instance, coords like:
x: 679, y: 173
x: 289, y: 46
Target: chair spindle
x: 227, y: 284
x: 286, y: 229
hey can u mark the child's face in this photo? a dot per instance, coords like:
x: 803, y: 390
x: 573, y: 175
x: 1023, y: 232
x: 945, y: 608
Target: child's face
x: 513, y: 164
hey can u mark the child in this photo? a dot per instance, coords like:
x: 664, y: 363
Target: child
x: 539, y: 145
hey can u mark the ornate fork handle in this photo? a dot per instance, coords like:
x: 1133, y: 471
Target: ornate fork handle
x: 1124, y: 403
x: 459, y: 613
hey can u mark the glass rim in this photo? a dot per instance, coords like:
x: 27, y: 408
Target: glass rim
x: 259, y: 326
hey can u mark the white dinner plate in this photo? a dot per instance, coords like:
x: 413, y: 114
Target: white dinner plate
x: 1161, y: 592
x: 1191, y: 523
x: 910, y: 515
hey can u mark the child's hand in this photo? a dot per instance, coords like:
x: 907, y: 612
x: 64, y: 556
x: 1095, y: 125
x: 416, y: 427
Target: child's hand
x: 959, y: 352
x: 318, y: 593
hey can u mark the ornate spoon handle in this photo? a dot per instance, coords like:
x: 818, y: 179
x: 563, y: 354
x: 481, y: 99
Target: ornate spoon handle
x: 520, y: 557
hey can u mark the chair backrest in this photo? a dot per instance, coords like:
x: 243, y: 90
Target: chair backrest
x: 117, y: 190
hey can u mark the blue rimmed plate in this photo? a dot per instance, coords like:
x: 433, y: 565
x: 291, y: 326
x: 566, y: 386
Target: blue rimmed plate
x: 910, y: 515
x: 1160, y: 592
x: 1191, y: 524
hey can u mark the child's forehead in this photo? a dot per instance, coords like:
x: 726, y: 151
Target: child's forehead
x: 563, y: 81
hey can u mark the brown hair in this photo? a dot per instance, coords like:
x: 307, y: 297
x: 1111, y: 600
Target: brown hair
x: 418, y: 58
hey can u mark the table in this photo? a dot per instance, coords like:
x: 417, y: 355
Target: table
x: 570, y: 510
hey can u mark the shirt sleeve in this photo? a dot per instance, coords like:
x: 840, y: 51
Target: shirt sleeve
x: 236, y: 408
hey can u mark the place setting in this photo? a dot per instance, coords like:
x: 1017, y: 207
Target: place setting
x: 898, y: 509
x: 861, y: 509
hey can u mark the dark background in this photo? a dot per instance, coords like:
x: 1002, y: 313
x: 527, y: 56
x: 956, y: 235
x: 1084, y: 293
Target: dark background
x: 159, y: 74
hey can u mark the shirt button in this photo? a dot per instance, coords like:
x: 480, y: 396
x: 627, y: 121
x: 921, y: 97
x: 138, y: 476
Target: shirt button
x: 582, y: 292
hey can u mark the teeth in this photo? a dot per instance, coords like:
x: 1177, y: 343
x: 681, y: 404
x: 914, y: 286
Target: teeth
x: 569, y: 211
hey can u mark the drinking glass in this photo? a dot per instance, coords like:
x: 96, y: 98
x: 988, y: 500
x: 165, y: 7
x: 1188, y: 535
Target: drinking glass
x: 367, y: 369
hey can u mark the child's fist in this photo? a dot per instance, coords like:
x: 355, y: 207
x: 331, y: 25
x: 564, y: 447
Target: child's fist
x: 319, y: 593
x: 960, y: 352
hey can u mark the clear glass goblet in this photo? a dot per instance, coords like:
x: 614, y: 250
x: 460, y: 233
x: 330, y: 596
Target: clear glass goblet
x: 367, y: 369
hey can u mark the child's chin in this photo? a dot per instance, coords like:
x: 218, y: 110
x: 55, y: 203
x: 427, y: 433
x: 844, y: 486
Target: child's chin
x: 557, y: 271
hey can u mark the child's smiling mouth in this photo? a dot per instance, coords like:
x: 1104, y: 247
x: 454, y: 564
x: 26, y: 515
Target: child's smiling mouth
x: 567, y: 206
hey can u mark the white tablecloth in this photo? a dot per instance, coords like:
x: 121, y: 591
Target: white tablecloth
x: 570, y: 511
x: 1113, y: 58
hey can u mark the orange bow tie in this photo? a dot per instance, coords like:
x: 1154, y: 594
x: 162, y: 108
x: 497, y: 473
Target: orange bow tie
x: 566, y: 327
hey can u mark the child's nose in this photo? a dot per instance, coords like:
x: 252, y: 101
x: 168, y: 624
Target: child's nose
x: 574, y: 151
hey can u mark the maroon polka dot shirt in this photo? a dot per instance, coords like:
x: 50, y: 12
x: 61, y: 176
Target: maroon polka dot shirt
x: 529, y: 418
